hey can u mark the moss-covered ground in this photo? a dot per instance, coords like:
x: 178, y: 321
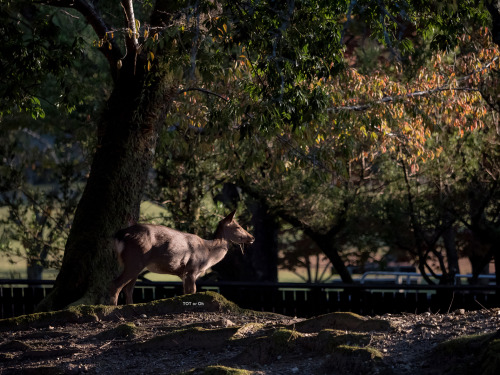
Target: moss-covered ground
x: 207, y: 334
x: 471, y: 354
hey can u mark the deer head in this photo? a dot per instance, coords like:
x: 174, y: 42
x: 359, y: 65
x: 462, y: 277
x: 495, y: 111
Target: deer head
x: 230, y: 230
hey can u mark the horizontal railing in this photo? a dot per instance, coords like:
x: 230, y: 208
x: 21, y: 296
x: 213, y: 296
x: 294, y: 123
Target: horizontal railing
x: 400, y: 277
x: 18, y: 297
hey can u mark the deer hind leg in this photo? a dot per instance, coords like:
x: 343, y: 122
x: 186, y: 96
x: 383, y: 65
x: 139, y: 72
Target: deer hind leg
x: 126, y: 280
x: 114, y: 291
x: 189, y: 283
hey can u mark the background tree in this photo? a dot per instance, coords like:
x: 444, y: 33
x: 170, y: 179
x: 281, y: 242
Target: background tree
x: 285, y: 89
x: 40, y: 203
x: 51, y: 78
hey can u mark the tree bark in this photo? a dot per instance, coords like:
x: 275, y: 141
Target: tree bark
x: 494, y: 10
x: 451, y: 254
x: 128, y: 131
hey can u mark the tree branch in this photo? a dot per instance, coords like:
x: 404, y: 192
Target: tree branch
x: 95, y: 20
x: 391, y: 99
x: 302, y: 155
x: 416, y: 94
x: 86, y: 9
x: 225, y: 98
x: 131, y: 38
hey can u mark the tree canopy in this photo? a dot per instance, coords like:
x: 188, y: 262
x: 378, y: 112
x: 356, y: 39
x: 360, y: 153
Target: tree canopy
x: 301, y: 104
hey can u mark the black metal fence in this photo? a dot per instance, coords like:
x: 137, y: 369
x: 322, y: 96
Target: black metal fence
x: 19, y: 297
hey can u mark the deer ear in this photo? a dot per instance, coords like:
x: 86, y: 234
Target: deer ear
x: 230, y: 216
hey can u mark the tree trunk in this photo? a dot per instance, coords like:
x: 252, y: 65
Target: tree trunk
x: 264, y: 252
x: 494, y: 10
x: 34, y: 270
x: 111, y: 200
x: 327, y: 244
x: 451, y: 254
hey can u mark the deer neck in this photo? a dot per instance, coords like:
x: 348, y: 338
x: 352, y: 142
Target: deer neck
x: 217, y: 249
x: 217, y: 245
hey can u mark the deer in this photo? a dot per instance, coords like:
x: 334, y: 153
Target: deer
x: 164, y: 250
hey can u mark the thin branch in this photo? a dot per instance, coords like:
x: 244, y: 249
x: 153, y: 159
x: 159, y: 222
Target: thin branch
x: 431, y: 271
x: 325, y: 269
x: 131, y: 39
x: 300, y: 276
x: 205, y: 91
x: 46, y: 143
x: 301, y: 263
x: 308, y: 269
x: 417, y: 229
x: 440, y: 259
x: 302, y: 155
x: 45, y: 212
x: 69, y: 14
x: 392, y: 99
x: 86, y: 9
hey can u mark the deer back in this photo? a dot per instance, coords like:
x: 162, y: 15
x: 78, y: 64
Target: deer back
x: 158, y: 248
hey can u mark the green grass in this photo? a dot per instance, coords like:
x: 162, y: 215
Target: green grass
x: 153, y: 213
x: 286, y: 276
x: 18, y: 271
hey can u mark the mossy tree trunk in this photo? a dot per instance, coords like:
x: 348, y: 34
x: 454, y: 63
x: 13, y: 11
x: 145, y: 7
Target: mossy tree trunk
x: 124, y: 154
x: 127, y: 134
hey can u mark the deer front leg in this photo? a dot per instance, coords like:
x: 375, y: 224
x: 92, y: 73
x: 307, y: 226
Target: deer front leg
x: 128, y: 290
x: 189, y: 283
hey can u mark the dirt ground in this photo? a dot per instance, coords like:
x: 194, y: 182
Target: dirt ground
x: 206, y: 334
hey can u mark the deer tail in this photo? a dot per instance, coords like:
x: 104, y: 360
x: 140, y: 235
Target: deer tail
x: 119, y: 244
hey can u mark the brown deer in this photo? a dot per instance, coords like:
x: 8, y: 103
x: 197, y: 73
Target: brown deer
x: 164, y: 250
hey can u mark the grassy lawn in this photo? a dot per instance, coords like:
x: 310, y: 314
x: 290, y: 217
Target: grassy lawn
x: 18, y: 271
